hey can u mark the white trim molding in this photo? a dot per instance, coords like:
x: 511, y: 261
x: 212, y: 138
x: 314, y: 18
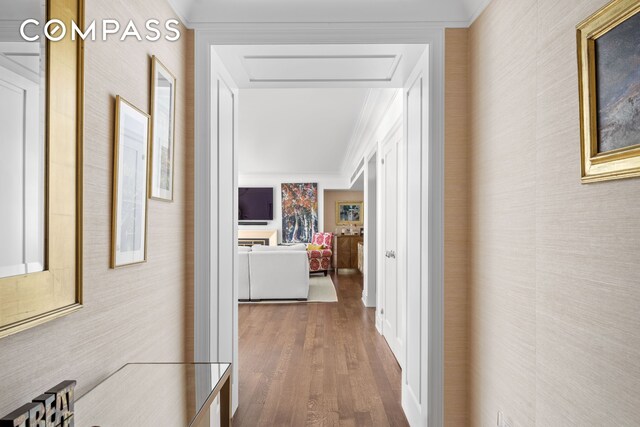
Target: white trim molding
x: 435, y: 261
x: 375, y: 117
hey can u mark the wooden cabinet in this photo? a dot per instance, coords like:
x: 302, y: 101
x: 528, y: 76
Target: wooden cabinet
x: 345, y: 251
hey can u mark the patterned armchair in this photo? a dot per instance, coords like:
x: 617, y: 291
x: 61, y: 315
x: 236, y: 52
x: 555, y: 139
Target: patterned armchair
x: 320, y: 260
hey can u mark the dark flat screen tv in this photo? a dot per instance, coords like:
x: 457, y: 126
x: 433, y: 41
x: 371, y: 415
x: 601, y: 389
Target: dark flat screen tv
x: 255, y: 204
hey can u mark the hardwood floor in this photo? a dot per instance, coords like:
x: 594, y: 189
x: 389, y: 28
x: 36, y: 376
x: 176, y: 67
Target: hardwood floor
x: 318, y: 364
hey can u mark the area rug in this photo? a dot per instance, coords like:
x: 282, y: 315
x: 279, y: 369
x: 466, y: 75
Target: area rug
x: 321, y: 289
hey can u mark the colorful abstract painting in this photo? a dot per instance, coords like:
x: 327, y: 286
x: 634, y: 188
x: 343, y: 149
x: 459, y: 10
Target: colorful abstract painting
x: 299, y: 212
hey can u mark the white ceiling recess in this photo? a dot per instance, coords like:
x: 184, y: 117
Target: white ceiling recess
x: 296, y: 131
x: 446, y: 13
x: 297, y: 66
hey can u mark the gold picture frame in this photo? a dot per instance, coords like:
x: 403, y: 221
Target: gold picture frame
x: 617, y: 162
x: 345, y: 212
x: 130, y: 202
x: 28, y: 300
x: 160, y: 119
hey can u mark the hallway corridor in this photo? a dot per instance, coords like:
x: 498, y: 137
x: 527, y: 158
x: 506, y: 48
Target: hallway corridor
x: 320, y: 364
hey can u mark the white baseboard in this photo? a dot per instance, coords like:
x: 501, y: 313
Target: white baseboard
x: 411, y: 407
x: 378, y: 323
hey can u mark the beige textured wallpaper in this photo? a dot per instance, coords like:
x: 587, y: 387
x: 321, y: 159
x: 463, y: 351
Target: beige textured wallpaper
x: 138, y: 313
x: 554, y: 295
x: 456, y: 236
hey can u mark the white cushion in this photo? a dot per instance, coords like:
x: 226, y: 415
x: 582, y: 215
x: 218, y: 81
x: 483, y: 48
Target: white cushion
x: 297, y: 247
x: 244, y: 249
x: 243, y: 275
x: 263, y: 248
x: 279, y: 274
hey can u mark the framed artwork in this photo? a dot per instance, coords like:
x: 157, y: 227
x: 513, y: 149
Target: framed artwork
x: 349, y: 213
x: 299, y: 212
x: 163, y: 118
x: 609, y: 75
x: 130, y: 173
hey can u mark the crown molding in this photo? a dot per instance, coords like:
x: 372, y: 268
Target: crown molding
x: 184, y: 12
x: 478, y: 12
x: 363, y: 120
x: 323, y: 32
x: 181, y: 14
x: 371, y: 119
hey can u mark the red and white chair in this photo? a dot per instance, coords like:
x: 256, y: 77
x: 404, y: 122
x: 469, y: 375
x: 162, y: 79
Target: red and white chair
x: 320, y: 260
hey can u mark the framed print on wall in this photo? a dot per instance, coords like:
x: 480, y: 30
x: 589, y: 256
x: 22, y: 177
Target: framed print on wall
x: 299, y: 212
x: 130, y: 173
x: 349, y: 213
x: 609, y: 75
x: 163, y: 118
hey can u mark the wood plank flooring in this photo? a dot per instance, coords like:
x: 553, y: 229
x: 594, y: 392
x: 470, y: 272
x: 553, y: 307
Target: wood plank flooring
x: 319, y: 364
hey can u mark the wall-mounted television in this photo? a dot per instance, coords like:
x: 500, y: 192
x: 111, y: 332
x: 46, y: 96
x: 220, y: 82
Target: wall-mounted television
x: 255, y: 204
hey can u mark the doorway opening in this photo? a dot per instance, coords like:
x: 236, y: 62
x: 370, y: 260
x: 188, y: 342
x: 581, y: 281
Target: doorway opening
x: 233, y: 71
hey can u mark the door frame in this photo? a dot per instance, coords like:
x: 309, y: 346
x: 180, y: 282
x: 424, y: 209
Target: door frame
x: 209, y: 35
x: 209, y: 206
x: 372, y: 223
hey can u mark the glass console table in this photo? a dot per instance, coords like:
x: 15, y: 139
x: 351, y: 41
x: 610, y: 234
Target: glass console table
x: 158, y: 394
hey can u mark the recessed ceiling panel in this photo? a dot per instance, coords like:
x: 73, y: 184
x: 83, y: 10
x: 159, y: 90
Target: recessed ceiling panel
x: 320, y: 68
x: 314, y: 66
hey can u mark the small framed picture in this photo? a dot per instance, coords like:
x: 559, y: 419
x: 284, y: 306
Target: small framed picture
x: 130, y: 175
x: 349, y: 213
x: 608, y: 57
x: 163, y: 114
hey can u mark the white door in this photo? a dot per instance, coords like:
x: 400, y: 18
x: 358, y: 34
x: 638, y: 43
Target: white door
x: 392, y: 304
x: 416, y: 114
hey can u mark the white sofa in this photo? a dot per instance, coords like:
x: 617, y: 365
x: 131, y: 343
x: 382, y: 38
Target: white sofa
x: 273, y: 272
x: 243, y: 273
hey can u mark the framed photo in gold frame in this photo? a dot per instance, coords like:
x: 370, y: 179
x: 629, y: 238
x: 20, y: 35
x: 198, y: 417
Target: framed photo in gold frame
x: 163, y: 118
x: 609, y: 76
x: 130, y: 175
x: 349, y: 213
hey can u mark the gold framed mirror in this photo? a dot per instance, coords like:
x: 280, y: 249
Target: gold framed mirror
x: 41, y: 272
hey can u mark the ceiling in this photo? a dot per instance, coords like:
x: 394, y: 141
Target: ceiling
x: 296, y: 131
x: 452, y: 12
x: 335, y: 65
x: 22, y: 9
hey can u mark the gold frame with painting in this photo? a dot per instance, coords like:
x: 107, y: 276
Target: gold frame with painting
x: 339, y: 206
x: 163, y: 133
x: 617, y: 158
x: 30, y: 299
x: 128, y: 223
